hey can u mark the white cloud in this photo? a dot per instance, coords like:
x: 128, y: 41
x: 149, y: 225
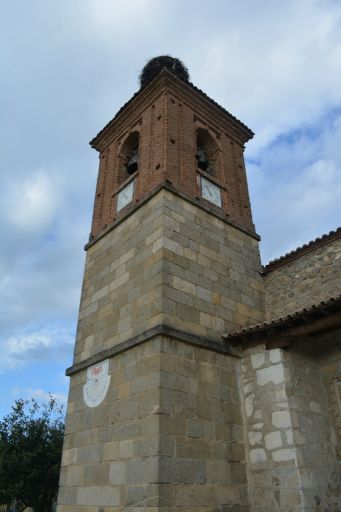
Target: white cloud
x: 30, y: 203
x: 296, y: 187
x: 72, y: 65
x: 110, y: 20
x: 42, y: 258
x: 275, y: 67
x: 50, y: 343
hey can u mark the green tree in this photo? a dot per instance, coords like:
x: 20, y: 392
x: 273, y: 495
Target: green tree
x: 31, y: 438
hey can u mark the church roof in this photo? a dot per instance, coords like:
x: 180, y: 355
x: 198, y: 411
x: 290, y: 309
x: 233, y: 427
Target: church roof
x: 293, y: 322
x: 300, y: 251
x: 189, y: 84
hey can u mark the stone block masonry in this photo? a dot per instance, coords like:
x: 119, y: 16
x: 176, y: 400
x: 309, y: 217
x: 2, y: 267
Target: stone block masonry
x: 170, y: 263
x: 314, y: 275
x: 168, y: 435
x: 269, y: 424
x: 291, y: 416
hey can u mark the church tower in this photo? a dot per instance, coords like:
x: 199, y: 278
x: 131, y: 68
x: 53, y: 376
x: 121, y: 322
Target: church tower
x: 154, y: 419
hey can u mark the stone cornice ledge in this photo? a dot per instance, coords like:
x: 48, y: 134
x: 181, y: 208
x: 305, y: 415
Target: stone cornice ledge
x: 185, y: 337
x: 168, y: 186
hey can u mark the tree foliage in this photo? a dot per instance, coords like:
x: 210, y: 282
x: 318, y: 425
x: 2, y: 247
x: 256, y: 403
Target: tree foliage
x: 31, y: 438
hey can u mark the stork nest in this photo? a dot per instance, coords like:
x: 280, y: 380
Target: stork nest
x: 154, y: 67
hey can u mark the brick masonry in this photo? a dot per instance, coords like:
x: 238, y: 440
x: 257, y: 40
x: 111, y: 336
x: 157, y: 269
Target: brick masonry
x: 166, y: 115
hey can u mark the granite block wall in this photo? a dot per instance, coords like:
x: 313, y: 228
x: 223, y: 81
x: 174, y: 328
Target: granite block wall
x: 269, y: 429
x: 316, y: 437
x: 291, y: 419
x: 204, y: 468
x: 172, y: 263
x: 330, y: 364
x: 110, y: 451
x: 168, y: 435
x: 312, y: 277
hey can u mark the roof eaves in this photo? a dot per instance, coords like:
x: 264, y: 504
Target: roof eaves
x: 329, y: 306
x: 165, y: 72
x: 300, y: 251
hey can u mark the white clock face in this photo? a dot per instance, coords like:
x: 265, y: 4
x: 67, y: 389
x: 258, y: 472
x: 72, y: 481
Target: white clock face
x: 125, y: 195
x: 210, y: 191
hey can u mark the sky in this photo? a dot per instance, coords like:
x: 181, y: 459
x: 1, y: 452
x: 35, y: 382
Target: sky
x: 66, y: 69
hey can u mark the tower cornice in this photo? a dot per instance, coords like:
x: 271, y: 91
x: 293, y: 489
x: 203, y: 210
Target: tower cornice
x: 198, y: 100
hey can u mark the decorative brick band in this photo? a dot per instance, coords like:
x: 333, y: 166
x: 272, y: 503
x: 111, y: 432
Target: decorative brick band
x: 185, y: 337
x: 169, y: 78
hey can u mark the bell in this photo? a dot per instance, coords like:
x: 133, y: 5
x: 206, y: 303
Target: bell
x: 133, y: 163
x: 202, y: 159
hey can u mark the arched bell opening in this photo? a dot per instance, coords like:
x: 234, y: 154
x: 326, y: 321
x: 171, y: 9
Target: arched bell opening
x: 206, y: 151
x: 129, y: 157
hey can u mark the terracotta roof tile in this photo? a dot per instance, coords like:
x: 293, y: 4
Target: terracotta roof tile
x: 330, y: 306
x: 300, y: 251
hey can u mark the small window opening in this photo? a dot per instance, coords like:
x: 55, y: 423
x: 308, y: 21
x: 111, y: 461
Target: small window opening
x: 206, y: 151
x: 133, y: 162
x: 129, y: 156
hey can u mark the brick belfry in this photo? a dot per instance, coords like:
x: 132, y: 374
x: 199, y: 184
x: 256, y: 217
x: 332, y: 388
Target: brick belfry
x: 154, y: 419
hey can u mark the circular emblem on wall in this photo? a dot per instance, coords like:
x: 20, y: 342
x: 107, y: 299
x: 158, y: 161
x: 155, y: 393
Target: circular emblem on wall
x: 97, y: 384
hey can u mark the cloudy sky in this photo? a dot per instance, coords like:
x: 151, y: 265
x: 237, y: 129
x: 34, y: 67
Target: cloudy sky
x: 68, y: 66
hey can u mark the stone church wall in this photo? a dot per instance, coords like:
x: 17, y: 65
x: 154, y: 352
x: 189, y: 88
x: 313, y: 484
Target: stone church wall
x: 298, y: 283
x: 328, y: 354
x: 122, y: 286
x: 204, y: 466
x: 169, y: 434
x: 331, y: 373
x: 270, y: 426
x: 292, y: 425
x: 212, y: 283
x: 169, y: 262
x: 102, y: 444
x: 309, y: 395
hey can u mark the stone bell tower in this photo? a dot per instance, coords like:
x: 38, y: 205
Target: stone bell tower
x: 154, y: 417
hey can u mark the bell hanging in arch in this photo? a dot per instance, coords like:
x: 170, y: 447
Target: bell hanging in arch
x: 133, y: 162
x: 203, y: 162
